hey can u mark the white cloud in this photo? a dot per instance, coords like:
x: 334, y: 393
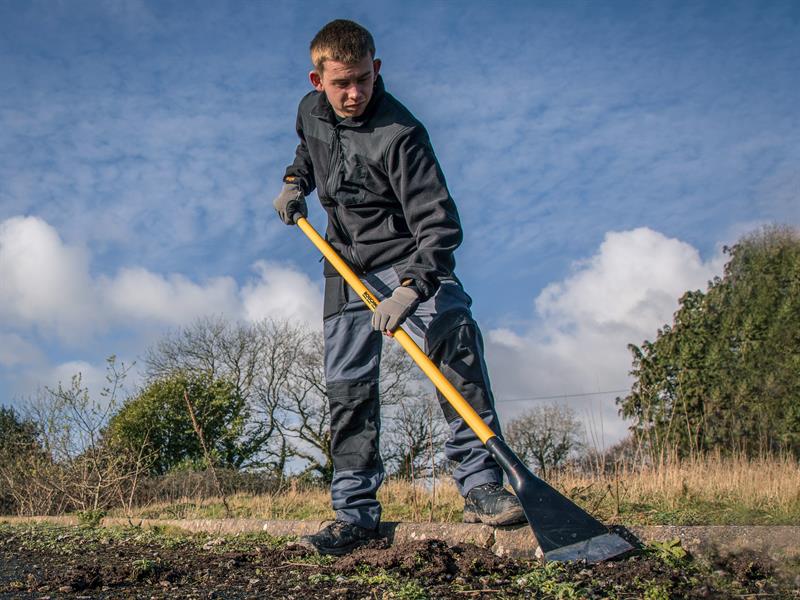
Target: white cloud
x: 43, y: 282
x: 173, y: 299
x: 633, y: 280
x: 46, y: 285
x: 282, y: 292
x: 577, y: 342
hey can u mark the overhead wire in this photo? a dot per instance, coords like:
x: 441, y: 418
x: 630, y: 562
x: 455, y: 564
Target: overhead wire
x: 560, y: 396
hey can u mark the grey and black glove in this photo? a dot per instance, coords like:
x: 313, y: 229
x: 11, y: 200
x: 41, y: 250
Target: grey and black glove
x: 391, y: 313
x: 290, y: 202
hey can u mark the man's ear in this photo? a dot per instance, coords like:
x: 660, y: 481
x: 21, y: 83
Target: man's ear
x: 376, y: 65
x: 316, y: 80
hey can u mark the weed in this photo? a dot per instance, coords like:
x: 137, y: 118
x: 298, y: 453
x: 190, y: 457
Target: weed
x: 59, y: 540
x: 669, y: 551
x: 407, y: 590
x: 394, y: 586
x: 168, y: 536
x: 245, y: 542
x: 657, y: 592
x: 364, y: 576
x: 178, y: 511
x: 91, y: 518
x: 551, y: 580
x: 143, y: 568
x: 711, y: 490
x: 316, y: 578
x: 319, y: 560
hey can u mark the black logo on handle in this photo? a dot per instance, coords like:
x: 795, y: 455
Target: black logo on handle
x: 369, y: 300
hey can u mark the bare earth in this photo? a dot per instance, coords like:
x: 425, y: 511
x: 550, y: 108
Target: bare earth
x: 45, y: 561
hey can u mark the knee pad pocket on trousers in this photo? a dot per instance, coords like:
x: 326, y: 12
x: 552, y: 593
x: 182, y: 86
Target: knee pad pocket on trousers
x: 355, y: 424
x: 455, y: 345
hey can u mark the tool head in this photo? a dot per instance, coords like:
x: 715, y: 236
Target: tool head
x: 564, y: 530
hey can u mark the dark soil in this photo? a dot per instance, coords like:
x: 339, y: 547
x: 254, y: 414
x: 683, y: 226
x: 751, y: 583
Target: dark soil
x: 59, y: 562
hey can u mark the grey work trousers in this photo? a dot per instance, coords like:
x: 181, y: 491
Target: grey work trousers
x: 352, y: 362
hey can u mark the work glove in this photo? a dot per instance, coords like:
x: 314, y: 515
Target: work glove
x: 391, y: 313
x: 290, y: 202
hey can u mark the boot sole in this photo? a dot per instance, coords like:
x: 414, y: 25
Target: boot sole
x: 512, y: 516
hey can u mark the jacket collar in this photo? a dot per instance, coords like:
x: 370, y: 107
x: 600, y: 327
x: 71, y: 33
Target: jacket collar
x: 323, y: 109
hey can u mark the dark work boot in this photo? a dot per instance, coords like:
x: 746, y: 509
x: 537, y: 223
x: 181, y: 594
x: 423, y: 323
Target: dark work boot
x: 340, y: 537
x: 492, y: 504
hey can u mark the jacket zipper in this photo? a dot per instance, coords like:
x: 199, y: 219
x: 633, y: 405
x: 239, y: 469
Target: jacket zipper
x: 333, y: 173
x: 333, y: 164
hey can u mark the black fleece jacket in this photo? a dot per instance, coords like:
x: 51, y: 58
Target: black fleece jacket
x: 378, y: 179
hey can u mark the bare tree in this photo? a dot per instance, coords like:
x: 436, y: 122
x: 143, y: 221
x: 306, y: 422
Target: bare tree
x: 255, y: 357
x: 401, y: 379
x: 414, y: 437
x: 545, y: 436
x: 629, y: 453
x: 22, y: 460
x: 306, y: 411
x: 306, y: 417
x: 283, y: 344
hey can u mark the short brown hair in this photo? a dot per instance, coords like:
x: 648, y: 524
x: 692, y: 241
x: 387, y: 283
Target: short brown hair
x: 341, y: 40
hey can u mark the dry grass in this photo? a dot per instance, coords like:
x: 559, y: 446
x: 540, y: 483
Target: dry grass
x: 291, y: 502
x: 711, y: 490
x: 401, y: 500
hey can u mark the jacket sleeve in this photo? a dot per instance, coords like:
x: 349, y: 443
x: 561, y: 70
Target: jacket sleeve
x: 429, y: 210
x: 301, y: 171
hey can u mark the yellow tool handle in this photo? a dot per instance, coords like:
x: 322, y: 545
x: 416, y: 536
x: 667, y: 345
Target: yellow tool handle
x: 455, y: 399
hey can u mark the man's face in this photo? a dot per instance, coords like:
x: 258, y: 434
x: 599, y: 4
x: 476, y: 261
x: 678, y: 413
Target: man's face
x: 348, y: 87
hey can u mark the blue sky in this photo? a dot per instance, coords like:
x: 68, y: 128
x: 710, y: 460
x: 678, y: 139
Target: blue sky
x: 600, y: 155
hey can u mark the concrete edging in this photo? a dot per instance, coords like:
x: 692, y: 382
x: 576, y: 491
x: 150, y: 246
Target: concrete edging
x: 778, y: 542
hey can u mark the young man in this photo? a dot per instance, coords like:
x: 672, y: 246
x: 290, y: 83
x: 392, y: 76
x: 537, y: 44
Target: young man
x: 391, y: 217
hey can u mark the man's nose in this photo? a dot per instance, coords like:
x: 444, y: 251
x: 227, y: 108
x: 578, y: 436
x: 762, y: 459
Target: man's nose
x: 354, y: 92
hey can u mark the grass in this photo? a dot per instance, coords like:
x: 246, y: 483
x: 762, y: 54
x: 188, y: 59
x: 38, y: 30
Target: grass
x: 709, y: 491
x: 68, y: 540
x: 401, y: 501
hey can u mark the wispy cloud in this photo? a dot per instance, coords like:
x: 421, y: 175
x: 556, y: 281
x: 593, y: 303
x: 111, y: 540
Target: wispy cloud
x: 563, y: 123
x: 143, y: 142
